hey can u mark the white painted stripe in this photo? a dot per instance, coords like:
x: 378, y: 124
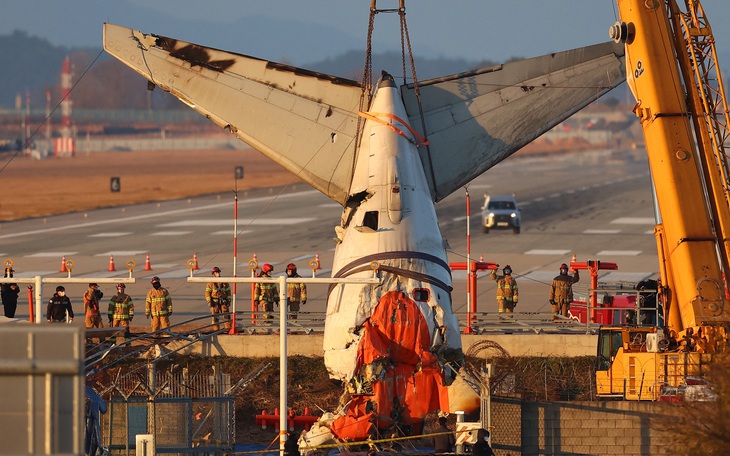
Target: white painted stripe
x: 50, y: 254
x: 146, y: 217
x: 539, y: 199
x: 601, y: 231
x: 330, y: 205
x: 634, y: 221
x: 245, y: 222
x: 170, y: 233
x: 121, y: 273
x: 619, y: 252
x: 649, y: 232
x: 29, y: 274
x: 104, y: 235
x: 122, y: 252
x: 458, y: 219
x: 230, y: 232
x: 546, y: 252
x: 162, y: 265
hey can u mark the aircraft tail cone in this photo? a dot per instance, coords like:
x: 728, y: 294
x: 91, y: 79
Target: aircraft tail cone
x: 111, y: 263
x: 63, y: 264
x: 195, y: 260
x: 147, y: 265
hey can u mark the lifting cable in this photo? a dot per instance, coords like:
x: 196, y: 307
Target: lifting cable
x: 367, y: 83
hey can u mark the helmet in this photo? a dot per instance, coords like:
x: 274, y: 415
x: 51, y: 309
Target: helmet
x: 507, y: 270
x: 121, y: 285
x: 92, y: 284
x: 155, y: 279
x: 216, y: 269
x: 60, y: 288
x: 291, y: 267
x: 267, y: 268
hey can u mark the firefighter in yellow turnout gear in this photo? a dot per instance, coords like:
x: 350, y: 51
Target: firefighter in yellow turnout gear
x: 296, y: 293
x: 218, y: 296
x: 266, y: 294
x: 158, y: 305
x: 561, y: 291
x: 507, y: 296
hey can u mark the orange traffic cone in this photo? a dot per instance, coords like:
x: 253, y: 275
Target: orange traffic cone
x: 147, y: 265
x: 572, y: 260
x: 63, y: 264
x: 316, y: 258
x: 195, y: 260
x: 111, y: 263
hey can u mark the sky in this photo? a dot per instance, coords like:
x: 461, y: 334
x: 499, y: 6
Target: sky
x: 302, y: 31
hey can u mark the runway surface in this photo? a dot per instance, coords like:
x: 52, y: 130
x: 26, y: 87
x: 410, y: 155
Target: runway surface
x: 597, y: 205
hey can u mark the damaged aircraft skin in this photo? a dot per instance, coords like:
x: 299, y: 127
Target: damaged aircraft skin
x: 386, y: 160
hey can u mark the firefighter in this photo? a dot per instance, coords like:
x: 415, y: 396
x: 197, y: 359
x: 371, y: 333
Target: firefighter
x: 91, y: 306
x: 121, y: 308
x: 158, y: 305
x: 561, y: 291
x: 507, y: 296
x: 266, y: 294
x: 296, y: 293
x: 59, y: 307
x: 218, y: 295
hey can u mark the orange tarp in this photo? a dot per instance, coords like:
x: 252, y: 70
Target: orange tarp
x: 411, y: 386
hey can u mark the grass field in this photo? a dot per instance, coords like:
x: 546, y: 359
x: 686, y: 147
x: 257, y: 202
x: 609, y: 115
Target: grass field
x: 35, y: 188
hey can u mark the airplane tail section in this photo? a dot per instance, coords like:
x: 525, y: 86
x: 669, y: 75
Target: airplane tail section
x: 476, y: 119
x: 303, y: 120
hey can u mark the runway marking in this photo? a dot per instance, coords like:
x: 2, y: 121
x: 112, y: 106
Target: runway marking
x: 303, y: 257
x: 170, y: 233
x: 122, y: 252
x: 30, y: 274
x: 50, y: 254
x: 634, y: 221
x: 230, y: 232
x: 601, y: 231
x: 245, y: 222
x: 147, y: 217
x: 164, y: 266
x: 329, y: 205
x: 619, y: 252
x: 546, y: 252
x: 649, y: 232
x: 102, y: 235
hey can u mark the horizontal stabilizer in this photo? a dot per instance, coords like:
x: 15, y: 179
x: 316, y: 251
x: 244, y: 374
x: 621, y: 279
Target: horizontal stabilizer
x: 476, y: 119
x: 302, y: 120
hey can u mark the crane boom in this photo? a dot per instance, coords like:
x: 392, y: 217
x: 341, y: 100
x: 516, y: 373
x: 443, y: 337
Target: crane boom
x: 672, y: 72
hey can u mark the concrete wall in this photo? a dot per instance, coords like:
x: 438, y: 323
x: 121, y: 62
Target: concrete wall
x: 267, y: 345
x: 580, y: 428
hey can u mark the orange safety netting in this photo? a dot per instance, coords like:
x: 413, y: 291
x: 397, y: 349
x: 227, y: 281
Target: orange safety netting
x: 411, y: 385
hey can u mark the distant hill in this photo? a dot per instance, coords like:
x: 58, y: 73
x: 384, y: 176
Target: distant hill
x: 34, y: 65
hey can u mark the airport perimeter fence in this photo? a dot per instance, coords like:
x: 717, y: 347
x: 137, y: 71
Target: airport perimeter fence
x: 184, y: 414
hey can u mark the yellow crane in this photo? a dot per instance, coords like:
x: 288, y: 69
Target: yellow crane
x: 673, y: 74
